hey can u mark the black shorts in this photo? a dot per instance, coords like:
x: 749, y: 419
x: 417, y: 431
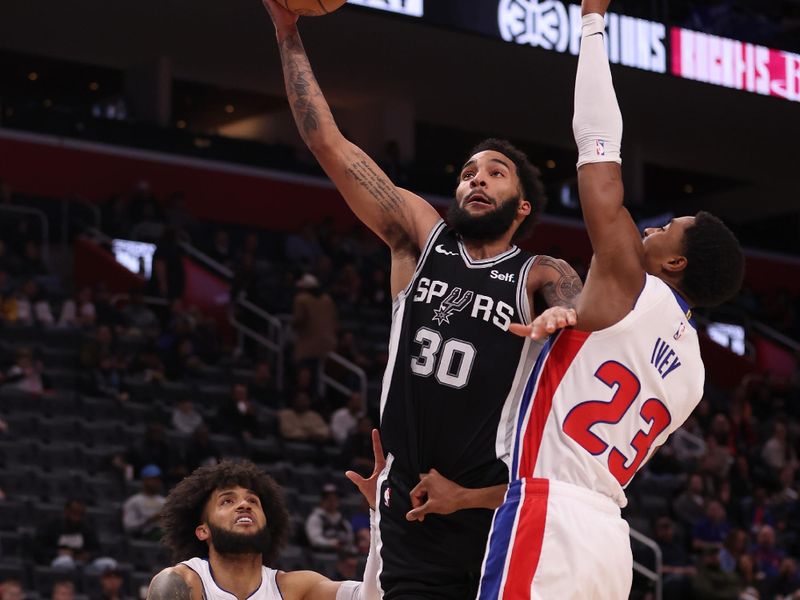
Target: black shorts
x: 439, y: 558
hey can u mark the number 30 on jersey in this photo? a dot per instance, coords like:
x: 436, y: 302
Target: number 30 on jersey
x: 450, y: 359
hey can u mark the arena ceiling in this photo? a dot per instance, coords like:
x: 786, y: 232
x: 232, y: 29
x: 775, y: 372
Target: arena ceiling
x: 452, y: 79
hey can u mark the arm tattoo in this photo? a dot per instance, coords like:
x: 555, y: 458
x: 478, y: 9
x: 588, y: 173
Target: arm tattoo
x: 169, y: 585
x: 361, y: 169
x: 565, y: 290
x: 309, y: 107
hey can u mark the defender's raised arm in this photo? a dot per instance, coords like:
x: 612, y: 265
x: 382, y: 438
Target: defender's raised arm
x: 617, y: 267
x: 394, y: 214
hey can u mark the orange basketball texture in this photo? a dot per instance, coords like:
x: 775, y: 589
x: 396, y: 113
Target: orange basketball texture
x: 312, y: 8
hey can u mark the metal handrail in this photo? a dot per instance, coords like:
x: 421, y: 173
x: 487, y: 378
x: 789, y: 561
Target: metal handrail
x: 775, y: 335
x: 45, y: 226
x: 327, y: 380
x: 654, y: 576
x: 276, y: 331
x: 206, y: 259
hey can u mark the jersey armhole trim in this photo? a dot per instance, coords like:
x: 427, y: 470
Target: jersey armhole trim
x: 524, y: 308
x: 426, y: 250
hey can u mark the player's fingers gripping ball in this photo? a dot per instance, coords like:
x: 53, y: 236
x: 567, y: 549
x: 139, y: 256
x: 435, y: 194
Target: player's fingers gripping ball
x: 312, y: 8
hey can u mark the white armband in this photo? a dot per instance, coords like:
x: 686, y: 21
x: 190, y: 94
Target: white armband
x: 370, y: 588
x: 597, y: 123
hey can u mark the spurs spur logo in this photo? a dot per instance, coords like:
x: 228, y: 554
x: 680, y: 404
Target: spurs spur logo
x: 455, y: 302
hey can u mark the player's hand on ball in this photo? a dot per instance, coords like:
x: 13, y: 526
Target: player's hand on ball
x: 550, y: 321
x: 369, y: 487
x: 282, y: 18
x: 434, y: 494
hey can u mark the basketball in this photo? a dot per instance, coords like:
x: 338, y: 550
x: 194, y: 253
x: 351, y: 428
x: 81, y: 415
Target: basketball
x: 312, y: 8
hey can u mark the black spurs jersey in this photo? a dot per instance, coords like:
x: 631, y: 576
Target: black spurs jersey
x: 449, y: 391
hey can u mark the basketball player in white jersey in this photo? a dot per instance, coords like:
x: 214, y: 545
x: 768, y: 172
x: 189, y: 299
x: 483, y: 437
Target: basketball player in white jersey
x: 225, y: 523
x: 605, y: 395
x: 453, y: 372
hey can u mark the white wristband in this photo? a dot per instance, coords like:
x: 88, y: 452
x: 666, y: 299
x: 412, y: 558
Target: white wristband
x: 349, y: 590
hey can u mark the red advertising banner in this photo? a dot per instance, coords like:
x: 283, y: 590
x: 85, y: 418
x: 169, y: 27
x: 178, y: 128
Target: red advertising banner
x: 734, y: 64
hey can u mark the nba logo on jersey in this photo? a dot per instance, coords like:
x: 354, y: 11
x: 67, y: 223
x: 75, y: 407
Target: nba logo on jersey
x: 600, y: 147
x: 387, y: 497
x: 681, y: 330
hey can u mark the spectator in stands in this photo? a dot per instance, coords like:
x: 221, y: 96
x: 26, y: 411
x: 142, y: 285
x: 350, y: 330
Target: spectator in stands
x: 689, y: 507
x: 760, y: 511
x: 687, y: 443
x: 141, y: 512
x: 238, y: 416
x: 779, y: 452
x: 28, y: 306
x: 347, y: 288
x: 139, y: 318
x: 201, y: 450
x: 220, y: 249
x: 152, y: 450
x: 106, y: 379
x: 377, y: 293
x: 711, y: 582
x: 315, y: 322
x: 26, y: 374
x: 78, y: 311
x: 345, y: 419
x: 734, y: 546
x: 303, y: 249
x: 677, y: 568
x: 300, y: 423
x: 111, y: 584
x: 11, y: 589
x: 63, y: 589
x: 765, y: 553
x: 262, y: 386
x: 712, y: 529
x: 169, y: 275
x: 748, y: 578
x: 147, y: 365
x: 348, y: 348
x: 357, y: 451
x: 69, y: 540
x: 31, y: 263
x: 326, y: 527
x: 346, y: 568
x: 716, y: 461
x: 786, y: 584
x: 740, y: 480
x: 107, y: 313
x: 362, y: 540
x: 185, y: 419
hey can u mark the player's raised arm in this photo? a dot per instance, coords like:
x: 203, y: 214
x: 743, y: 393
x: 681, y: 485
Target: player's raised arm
x: 394, y: 214
x: 618, y: 254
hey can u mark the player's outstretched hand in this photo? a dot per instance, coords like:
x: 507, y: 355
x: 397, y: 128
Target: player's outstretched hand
x: 282, y: 18
x: 594, y: 6
x: 369, y: 487
x: 434, y: 494
x: 551, y: 320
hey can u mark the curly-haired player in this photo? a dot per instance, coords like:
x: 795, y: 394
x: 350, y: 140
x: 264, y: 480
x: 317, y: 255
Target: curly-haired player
x: 224, y: 524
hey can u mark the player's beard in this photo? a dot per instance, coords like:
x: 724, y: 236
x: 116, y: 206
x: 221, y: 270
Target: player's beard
x: 483, y: 227
x: 231, y: 542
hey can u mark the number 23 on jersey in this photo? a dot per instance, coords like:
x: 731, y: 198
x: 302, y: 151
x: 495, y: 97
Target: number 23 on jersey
x: 580, y: 420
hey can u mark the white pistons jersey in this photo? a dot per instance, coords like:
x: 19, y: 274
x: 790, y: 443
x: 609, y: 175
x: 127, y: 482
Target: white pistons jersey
x: 268, y: 590
x: 598, y: 405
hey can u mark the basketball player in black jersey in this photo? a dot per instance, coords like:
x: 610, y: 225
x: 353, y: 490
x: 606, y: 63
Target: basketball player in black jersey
x: 446, y: 405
